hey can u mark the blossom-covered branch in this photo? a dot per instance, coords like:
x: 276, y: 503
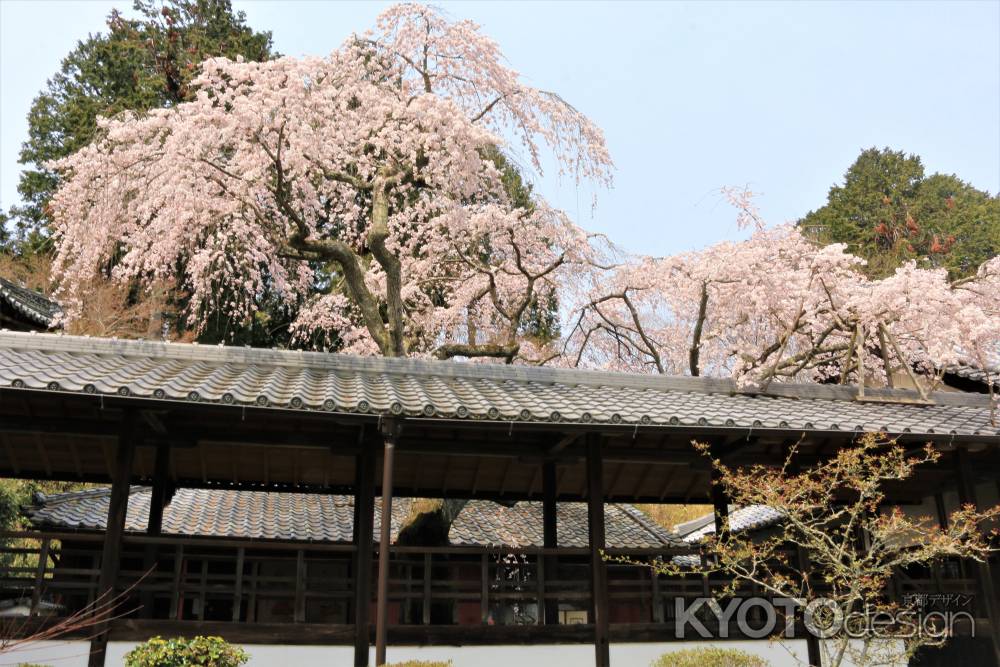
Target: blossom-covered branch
x: 364, y: 187
x: 780, y: 307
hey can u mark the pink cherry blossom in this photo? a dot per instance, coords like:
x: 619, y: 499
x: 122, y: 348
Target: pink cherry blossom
x: 365, y: 173
x: 780, y: 307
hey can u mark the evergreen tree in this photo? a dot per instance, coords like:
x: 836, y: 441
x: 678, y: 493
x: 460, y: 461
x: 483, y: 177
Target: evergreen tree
x: 888, y: 212
x: 138, y: 64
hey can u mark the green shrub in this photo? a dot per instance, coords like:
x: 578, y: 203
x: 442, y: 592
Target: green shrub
x: 709, y: 657
x: 181, y: 652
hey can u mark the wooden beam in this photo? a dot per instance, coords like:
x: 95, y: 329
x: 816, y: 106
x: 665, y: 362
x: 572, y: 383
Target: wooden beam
x: 563, y: 443
x: 238, y: 589
x: 14, y: 466
x: 984, y: 582
x: 534, y: 480
x: 720, y: 500
x: 665, y: 484
x: 111, y: 553
x: 426, y: 610
x: 599, y: 570
x: 506, y: 474
x: 813, y: 649
x: 43, y: 561
x: 550, y: 539
x: 43, y: 455
x: 364, y: 525
x: 641, y: 482
x: 617, y: 478
x: 299, y: 612
x: 159, y: 494
x: 484, y: 593
x: 390, y: 434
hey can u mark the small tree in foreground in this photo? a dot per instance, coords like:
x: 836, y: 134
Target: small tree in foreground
x: 208, y: 651
x: 709, y: 656
x: 835, y: 512
x: 20, y: 635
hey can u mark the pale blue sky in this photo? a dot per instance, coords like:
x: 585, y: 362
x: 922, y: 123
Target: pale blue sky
x: 781, y: 96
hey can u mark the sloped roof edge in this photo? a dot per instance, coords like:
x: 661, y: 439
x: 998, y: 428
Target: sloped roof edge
x: 33, y: 305
x: 58, y: 342
x: 329, y: 518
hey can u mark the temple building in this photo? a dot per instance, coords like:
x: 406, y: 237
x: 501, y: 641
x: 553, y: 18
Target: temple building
x: 247, y: 493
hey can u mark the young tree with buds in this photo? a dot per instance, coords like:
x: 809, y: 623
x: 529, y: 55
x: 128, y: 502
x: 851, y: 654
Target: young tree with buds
x: 837, y: 546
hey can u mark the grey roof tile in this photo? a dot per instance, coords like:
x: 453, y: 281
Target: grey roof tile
x: 749, y: 517
x: 330, y: 518
x: 35, y: 306
x: 332, y: 382
x: 985, y: 375
x: 741, y: 519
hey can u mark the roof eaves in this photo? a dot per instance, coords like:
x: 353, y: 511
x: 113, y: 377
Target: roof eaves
x: 34, y: 305
x: 56, y: 342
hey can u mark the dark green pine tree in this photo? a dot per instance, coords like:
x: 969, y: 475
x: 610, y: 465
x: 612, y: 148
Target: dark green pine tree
x: 888, y: 212
x: 140, y: 63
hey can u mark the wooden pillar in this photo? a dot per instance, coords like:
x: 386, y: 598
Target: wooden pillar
x: 159, y: 496
x: 364, y: 526
x: 111, y: 553
x: 390, y: 432
x: 599, y: 569
x: 813, y: 649
x: 720, y: 503
x: 984, y: 574
x: 549, y: 606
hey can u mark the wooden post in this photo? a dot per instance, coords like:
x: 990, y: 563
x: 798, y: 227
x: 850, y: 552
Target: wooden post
x: 549, y: 612
x: 299, y: 614
x: 111, y: 553
x: 984, y: 580
x: 720, y: 506
x: 159, y: 495
x: 202, y: 589
x: 364, y: 525
x: 426, y: 615
x: 813, y: 649
x: 390, y: 433
x: 657, y: 599
x: 720, y: 501
x: 176, y: 604
x: 599, y: 569
x: 154, y: 523
x: 484, y: 593
x: 540, y: 589
x: 238, y: 590
x: 43, y: 561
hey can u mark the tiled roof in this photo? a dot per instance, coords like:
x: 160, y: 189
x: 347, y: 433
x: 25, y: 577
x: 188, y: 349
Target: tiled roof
x: 976, y: 373
x: 330, y: 518
x: 750, y: 517
x: 315, y: 381
x: 33, y: 305
x: 741, y: 519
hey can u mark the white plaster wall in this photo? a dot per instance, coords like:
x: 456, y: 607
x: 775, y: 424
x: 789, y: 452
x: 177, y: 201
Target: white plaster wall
x: 55, y: 653
x: 74, y: 654
x: 266, y: 655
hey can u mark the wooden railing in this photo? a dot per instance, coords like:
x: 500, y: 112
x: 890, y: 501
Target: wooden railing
x: 272, y: 582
